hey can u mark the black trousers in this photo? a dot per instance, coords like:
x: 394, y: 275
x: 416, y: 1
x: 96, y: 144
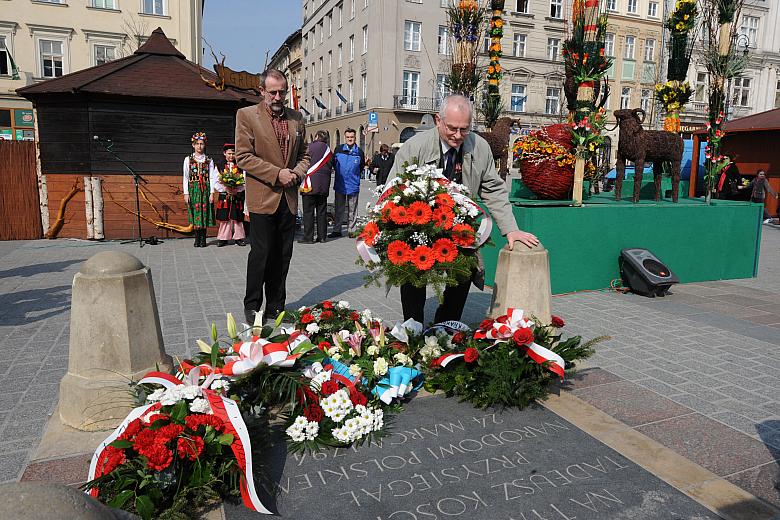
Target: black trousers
x: 413, y: 302
x: 271, y: 240
x: 315, y: 204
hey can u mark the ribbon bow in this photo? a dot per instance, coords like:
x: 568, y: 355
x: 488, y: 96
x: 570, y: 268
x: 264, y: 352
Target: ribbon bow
x: 398, y: 382
x: 249, y: 354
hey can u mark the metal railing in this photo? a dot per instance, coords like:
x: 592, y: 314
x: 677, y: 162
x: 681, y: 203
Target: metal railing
x: 338, y: 110
x: 417, y: 103
x: 349, y: 106
x: 362, y: 103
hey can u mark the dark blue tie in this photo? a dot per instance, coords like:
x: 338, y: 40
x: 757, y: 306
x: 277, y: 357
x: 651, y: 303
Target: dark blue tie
x: 449, y: 163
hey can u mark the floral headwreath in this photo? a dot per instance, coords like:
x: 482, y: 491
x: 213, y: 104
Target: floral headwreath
x: 199, y: 136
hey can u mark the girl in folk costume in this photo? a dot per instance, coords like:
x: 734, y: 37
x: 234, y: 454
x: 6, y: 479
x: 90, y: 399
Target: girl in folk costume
x: 229, y: 195
x: 314, y: 189
x: 199, y: 175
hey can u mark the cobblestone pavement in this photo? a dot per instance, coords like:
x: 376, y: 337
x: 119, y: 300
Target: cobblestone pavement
x: 710, y: 349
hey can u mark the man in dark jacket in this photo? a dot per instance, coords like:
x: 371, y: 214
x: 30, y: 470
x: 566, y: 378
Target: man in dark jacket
x: 315, y: 188
x: 348, y: 162
x: 381, y: 164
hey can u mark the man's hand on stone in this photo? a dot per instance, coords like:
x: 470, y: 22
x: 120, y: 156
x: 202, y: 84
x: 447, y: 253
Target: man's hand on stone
x: 287, y: 177
x: 529, y: 239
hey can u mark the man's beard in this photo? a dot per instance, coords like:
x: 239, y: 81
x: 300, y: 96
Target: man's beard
x: 277, y: 108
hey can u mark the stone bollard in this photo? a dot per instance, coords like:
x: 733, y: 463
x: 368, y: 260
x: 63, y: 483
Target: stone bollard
x: 44, y: 501
x: 522, y: 282
x: 114, y: 337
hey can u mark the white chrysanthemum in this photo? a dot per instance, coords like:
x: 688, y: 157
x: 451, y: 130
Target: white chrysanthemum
x: 372, y: 350
x: 190, y: 392
x: 156, y: 395
x: 200, y: 405
x: 402, y: 359
x: 354, y: 370
x: 312, y: 328
x: 220, y: 384
x: 342, y: 304
x: 312, y: 430
x: 380, y: 367
x: 431, y: 341
x: 429, y: 352
x: 170, y: 397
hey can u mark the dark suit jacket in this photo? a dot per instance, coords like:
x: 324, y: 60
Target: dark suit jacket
x: 384, y: 165
x: 258, y: 153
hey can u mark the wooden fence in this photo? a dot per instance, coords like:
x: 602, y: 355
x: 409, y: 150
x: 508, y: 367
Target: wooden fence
x: 20, y: 214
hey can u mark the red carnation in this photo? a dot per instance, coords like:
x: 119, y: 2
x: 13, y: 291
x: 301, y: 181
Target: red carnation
x: 327, y: 304
x: 132, y: 429
x: 329, y: 387
x: 458, y: 337
x: 558, y: 322
x: 357, y: 398
x: 114, y: 457
x: 190, y: 447
x: 194, y: 421
x: 324, y: 346
x: 313, y: 412
x: 523, y: 336
x: 157, y: 417
x: 307, y: 396
x: 307, y: 318
x: 354, y: 316
x: 158, y: 457
x: 486, y: 324
x: 470, y: 355
x: 326, y: 316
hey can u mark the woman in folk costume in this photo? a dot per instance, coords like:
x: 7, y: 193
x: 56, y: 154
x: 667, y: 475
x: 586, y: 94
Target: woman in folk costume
x: 229, y: 194
x: 199, y: 175
x: 315, y: 187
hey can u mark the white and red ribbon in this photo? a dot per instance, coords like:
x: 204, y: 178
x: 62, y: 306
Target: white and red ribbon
x: 314, y: 168
x: 252, y: 353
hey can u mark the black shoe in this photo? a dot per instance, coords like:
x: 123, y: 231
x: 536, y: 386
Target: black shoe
x: 249, y: 315
x: 240, y: 243
x: 306, y: 241
x: 222, y: 243
x: 203, y: 238
x: 334, y: 235
x: 197, y: 239
x: 322, y: 240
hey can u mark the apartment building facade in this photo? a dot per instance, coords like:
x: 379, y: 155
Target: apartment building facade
x: 44, y: 39
x: 289, y: 59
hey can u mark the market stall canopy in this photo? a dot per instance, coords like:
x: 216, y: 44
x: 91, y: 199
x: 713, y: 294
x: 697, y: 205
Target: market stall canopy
x: 763, y: 121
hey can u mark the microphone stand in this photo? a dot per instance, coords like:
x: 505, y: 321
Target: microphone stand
x: 136, y: 179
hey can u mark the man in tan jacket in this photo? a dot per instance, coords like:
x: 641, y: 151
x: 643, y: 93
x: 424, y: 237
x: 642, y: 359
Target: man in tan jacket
x: 465, y: 158
x: 271, y: 148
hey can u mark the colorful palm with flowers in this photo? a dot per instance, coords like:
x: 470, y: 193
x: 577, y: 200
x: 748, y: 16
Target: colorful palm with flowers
x: 423, y: 231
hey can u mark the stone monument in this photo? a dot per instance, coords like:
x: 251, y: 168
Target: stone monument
x: 115, y: 337
x: 522, y: 282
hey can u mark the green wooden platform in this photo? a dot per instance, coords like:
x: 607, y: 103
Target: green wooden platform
x: 698, y: 242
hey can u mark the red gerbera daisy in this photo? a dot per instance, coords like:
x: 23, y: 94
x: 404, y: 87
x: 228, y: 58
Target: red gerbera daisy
x: 419, y: 213
x: 423, y: 258
x: 444, y: 199
x: 463, y: 235
x: 400, y: 215
x: 442, y: 217
x: 445, y: 250
x: 387, y: 211
x: 369, y: 233
x: 399, y: 252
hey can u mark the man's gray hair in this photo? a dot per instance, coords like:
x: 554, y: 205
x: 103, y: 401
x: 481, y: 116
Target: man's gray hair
x: 458, y: 101
x: 272, y: 73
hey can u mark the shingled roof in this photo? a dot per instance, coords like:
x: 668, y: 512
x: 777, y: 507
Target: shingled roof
x: 156, y: 70
x: 761, y: 122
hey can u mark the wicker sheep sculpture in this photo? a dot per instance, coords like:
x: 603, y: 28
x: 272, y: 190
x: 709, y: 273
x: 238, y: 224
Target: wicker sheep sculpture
x: 640, y: 145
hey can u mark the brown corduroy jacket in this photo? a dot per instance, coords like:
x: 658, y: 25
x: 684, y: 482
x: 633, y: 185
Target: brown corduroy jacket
x: 258, y: 153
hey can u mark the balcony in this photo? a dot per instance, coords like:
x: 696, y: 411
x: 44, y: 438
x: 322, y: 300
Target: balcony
x: 362, y: 104
x: 349, y: 106
x: 327, y: 113
x: 338, y: 110
x: 416, y: 103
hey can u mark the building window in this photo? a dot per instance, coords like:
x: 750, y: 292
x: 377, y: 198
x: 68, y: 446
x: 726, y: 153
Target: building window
x: 700, y: 94
x: 522, y: 6
x: 340, y: 12
x: 365, y: 4
x: 341, y: 54
x: 51, y: 58
x: 156, y: 7
x: 320, y: 66
x: 644, y: 101
x: 52, y: 1
x: 652, y: 9
x: 518, y: 45
x: 777, y: 95
x: 351, y: 91
x: 322, y: 31
x: 104, y: 54
x: 625, y: 97
x: 410, y: 88
x: 330, y: 24
x: 556, y: 8
x: 649, y: 49
x: 365, y: 39
x: 741, y: 92
x: 486, y: 44
x: 441, y: 87
x: 552, y: 102
x: 445, y: 3
x: 632, y: 7
x: 611, y: 5
x: 5, y: 58
x: 412, y: 35
x: 330, y: 61
x: 630, y: 45
x: 363, y: 86
x: 351, y: 9
x: 553, y: 46
x: 104, y: 4
x: 749, y: 28
x: 444, y: 40
x: 517, y: 101
x: 609, y: 44
x: 352, y: 48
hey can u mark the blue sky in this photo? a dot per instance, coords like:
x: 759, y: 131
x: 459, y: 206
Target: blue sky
x: 244, y: 30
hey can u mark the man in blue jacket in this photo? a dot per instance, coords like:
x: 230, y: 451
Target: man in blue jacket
x: 348, y: 160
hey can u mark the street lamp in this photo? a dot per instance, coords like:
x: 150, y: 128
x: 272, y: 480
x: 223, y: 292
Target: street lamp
x: 741, y: 44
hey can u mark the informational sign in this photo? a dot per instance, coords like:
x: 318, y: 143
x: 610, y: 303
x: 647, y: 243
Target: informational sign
x: 6, y: 134
x: 24, y: 117
x: 25, y: 135
x: 373, y: 120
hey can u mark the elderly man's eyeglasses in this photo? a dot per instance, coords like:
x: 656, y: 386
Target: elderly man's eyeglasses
x: 274, y: 93
x: 454, y: 129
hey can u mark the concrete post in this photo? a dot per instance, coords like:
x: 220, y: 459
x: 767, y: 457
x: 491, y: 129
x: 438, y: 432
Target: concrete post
x: 523, y: 282
x: 115, y: 336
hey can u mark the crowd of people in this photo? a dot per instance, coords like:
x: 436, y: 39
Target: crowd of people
x: 262, y: 176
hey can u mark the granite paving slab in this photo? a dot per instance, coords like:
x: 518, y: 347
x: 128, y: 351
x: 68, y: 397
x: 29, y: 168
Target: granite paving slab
x: 445, y: 459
